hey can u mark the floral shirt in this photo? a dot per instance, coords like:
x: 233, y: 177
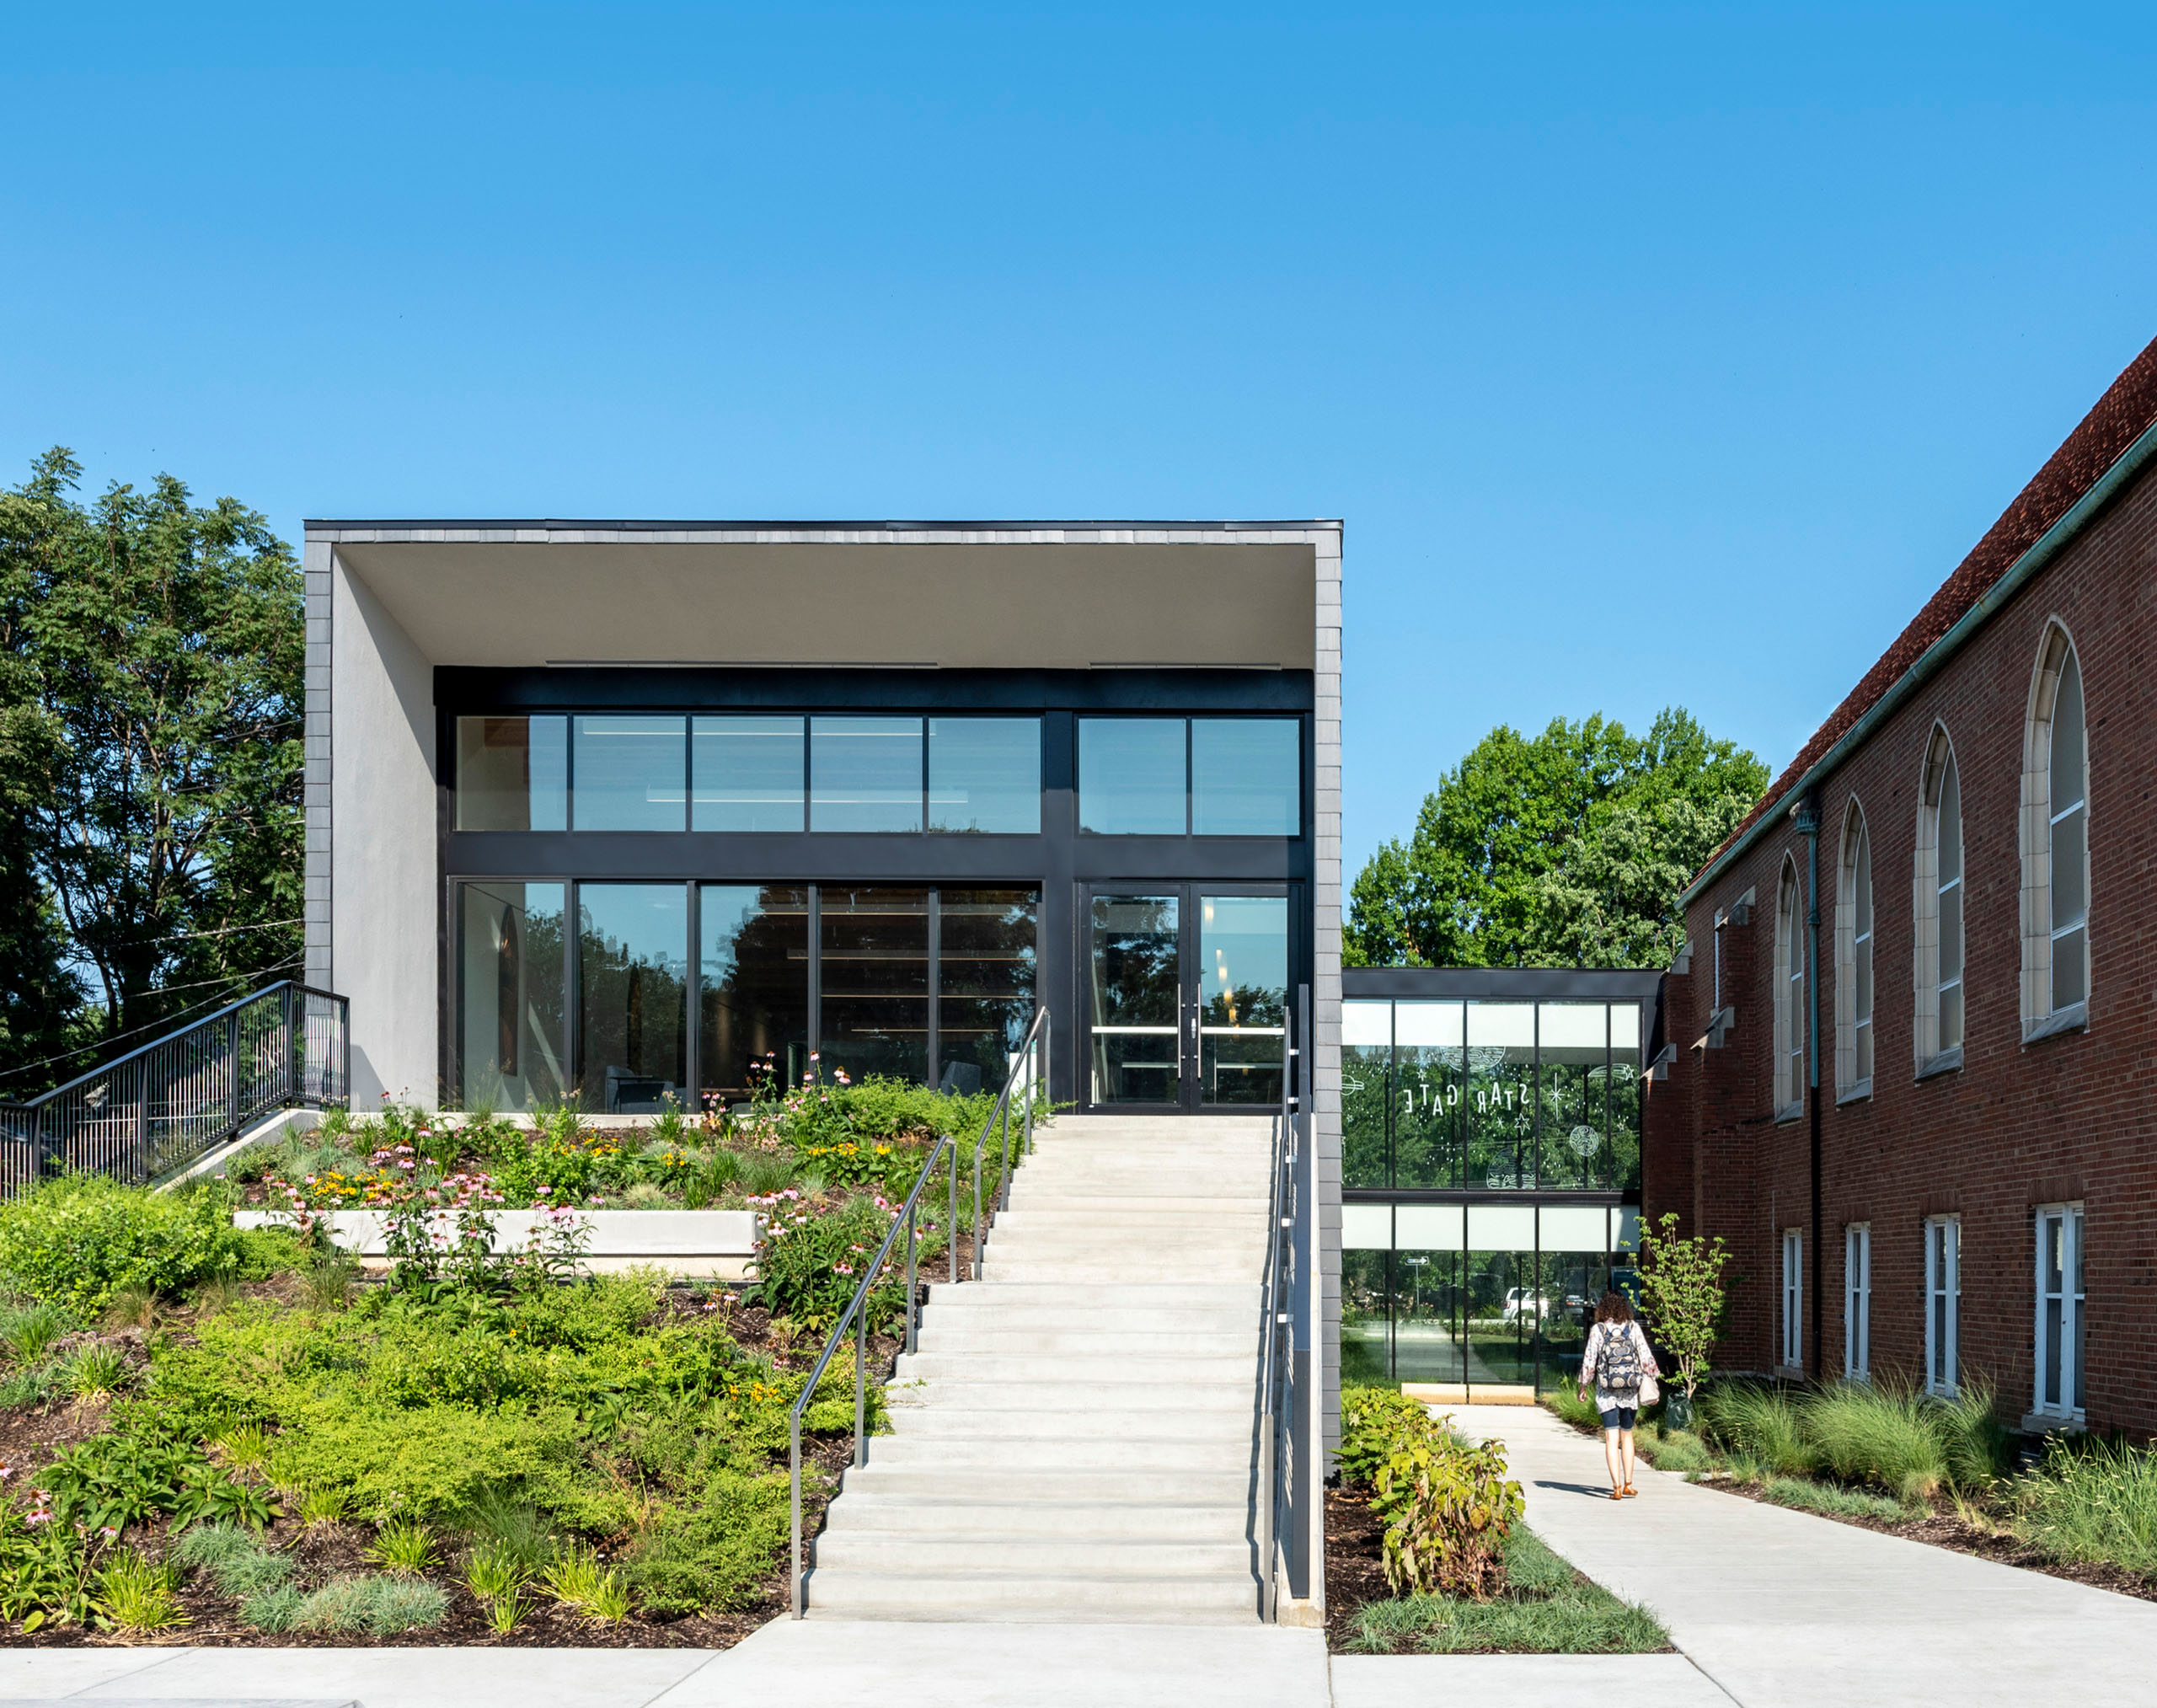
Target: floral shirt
x: 1606, y: 1398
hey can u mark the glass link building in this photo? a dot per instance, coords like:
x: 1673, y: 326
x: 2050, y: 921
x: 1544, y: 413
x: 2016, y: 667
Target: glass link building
x: 1490, y: 1167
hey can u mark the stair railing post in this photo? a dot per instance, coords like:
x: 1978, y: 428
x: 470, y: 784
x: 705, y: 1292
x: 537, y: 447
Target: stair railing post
x: 795, y: 1431
x: 287, y: 1009
x: 979, y: 1145
x: 953, y: 1224
x: 861, y: 1387
x: 142, y: 1119
x: 232, y: 1070
x: 912, y: 1313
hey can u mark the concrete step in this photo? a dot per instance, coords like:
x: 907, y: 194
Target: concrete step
x: 959, y: 1485
x: 1105, y: 1369
x: 1122, y: 1399
x: 995, y: 1455
x: 1027, y: 1269
x: 1124, y: 1291
x: 1143, y: 1521
x: 1222, y: 1339
x: 1007, y: 1596
x: 955, y: 1412
x: 878, y: 1550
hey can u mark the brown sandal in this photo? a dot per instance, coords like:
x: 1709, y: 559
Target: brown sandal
x: 1629, y: 1493
x: 1617, y: 1494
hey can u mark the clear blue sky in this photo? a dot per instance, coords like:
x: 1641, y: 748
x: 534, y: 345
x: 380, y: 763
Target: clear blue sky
x: 1651, y: 355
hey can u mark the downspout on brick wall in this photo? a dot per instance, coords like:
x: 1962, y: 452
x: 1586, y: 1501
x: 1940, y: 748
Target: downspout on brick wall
x: 1807, y: 819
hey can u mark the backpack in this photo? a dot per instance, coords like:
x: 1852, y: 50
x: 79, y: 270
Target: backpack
x: 1618, y: 1359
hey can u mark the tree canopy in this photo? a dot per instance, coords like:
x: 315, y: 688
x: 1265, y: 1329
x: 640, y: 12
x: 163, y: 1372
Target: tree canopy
x: 151, y: 708
x: 1569, y: 848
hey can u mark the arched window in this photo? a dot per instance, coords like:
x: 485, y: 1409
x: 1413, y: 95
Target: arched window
x: 2055, y: 843
x: 1790, y: 994
x: 1853, y: 959
x: 1936, y: 966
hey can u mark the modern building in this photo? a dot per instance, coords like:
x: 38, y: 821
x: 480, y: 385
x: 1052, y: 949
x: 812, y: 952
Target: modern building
x: 1490, y: 1170
x: 1916, y: 1075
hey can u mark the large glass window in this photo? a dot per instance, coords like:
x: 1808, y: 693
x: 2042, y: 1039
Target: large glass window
x: 1131, y: 776
x: 1854, y: 960
x: 1790, y: 995
x: 1366, y: 1085
x: 1431, y: 1078
x: 1857, y: 1302
x: 2071, y: 844
x: 513, y: 774
x: 1793, y: 1322
x: 985, y: 775
x: 1138, y: 1000
x: 1243, y: 955
x: 1574, y: 1039
x: 633, y: 982
x: 511, y: 1026
x: 864, y: 773
x: 2060, y: 1336
x: 1625, y: 1071
x: 746, y: 773
x: 631, y: 774
x: 873, y: 966
x: 1943, y: 1303
x: 753, y: 972
x: 984, y: 960
x: 1500, y: 1096
x: 1245, y: 777
x: 1950, y: 942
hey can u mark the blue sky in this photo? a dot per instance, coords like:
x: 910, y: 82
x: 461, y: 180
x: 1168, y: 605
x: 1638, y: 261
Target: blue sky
x: 1651, y: 353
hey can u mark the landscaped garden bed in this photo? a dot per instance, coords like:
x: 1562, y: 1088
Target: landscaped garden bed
x: 1425, y: 1552
x: 217, y: 1434
x: 1941, y: 1472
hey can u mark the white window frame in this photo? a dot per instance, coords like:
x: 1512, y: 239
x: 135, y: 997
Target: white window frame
x: 1790, y: 1076
x: 2043, y: 1013
x: 1857, y: 1302
x: 2067, y: 1221
x: 1793, y: 1324
x: 1936, y: 889
x: 1943, y: 1305
x: 1855, y: 995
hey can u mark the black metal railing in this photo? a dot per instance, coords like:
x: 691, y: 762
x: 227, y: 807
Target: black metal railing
x: 1281, y: 1446
x: 1030, y: 1074
x: 160, y: 1107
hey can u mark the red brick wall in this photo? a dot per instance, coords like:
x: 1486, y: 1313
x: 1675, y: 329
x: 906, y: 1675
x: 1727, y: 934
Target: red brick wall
x: 2068, y: 1117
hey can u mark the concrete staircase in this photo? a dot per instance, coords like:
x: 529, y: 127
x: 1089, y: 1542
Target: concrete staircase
x: 1073, y: 1440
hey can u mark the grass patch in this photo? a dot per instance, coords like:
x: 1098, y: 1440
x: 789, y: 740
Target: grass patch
x: 1547, y: 1608
x: 1829, y: 1500
x: 2094, y: 1501
x: 1678, y: 1451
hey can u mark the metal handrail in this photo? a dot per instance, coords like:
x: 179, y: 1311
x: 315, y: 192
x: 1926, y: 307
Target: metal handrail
x: 1273, y: 1325
x: 1029, y: 1066
x: 162, y: 1104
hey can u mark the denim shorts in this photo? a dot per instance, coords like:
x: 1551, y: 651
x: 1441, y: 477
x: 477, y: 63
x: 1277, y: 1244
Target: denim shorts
x: 1620, y: 1416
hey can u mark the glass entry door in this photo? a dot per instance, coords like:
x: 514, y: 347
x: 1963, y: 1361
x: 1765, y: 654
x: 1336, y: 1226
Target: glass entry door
x: 1188, y: 999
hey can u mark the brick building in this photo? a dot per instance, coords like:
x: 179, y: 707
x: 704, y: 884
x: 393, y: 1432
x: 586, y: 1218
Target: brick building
x: 1911, y: 1067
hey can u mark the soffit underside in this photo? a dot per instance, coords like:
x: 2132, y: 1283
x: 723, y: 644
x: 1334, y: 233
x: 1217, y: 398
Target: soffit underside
x: 996, y: 605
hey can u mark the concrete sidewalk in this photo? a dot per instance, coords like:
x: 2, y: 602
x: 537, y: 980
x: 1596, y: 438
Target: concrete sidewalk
x: 1780, y: 1607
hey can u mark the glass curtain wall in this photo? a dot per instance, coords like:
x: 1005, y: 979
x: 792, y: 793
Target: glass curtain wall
x: 753, y: 989
x: 886, y: 969
x: 1494, y: 1295
x: 1242, y: 953
x: 1445, y: 1095
x: 633, y: 986
x: 511, y: 959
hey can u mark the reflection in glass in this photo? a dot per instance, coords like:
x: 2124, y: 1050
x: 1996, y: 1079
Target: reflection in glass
x: 746, y: 773
x: 1572, y: 1283
x: 1366, y: 1068
x: 513, y: 774
x: 1575, y: 1083
x: 510, y: 1029
x: 1426, y: 1339
x: 985, y: 983
x: 1246, y: 777
x: 1366, y: 1320
x: 1243, y: 980
x: 633, y: 979
x: 985, y: 775
x: 631, y: 774
x: 1429, y: 1081
x: 1500, y: 1099
x: 1626, y: 1042
x: 1131, y: 776
x: 864, y: 773
x: 874, y: 969
x: 753, y: 989
x: 1499, y: 1308
x: 1136, y: 1000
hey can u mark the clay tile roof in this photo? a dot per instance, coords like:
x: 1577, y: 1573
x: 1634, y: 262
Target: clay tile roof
x: 2127, y: 410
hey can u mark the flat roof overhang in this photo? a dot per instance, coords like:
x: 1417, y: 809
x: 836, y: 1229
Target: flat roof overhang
x: 992, y: 595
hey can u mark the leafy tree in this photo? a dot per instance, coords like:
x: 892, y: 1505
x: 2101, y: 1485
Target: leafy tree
x: 161, y: 648
x: 37, y: 992
x: 1682, y: 1291
x: 1568, y: 848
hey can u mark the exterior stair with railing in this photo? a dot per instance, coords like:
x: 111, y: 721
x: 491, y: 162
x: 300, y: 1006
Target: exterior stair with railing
x: 1073, y: 1440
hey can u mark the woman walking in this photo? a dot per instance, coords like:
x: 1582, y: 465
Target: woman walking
x: 1618, y: 1361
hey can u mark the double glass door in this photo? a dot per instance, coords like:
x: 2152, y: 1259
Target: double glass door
x: 1188, y: 997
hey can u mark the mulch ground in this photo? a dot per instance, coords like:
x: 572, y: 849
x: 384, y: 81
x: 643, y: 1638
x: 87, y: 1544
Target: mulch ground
x: 1354, y: 1563
x: 32, y: 1436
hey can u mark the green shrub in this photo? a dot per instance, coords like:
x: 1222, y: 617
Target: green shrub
x: 136, y: 1593
x: 1880, y: 1434
x: 1675, y: 1450
x: 1980, y: 1448
x: 78, y: 1241
x: 1569, y: 1408
x: 1447, y: 1507
x: 1373, y: 1421
x: 2094, y: 1501
x: 30, y: 1331
x: 404, y: 1546
x: 712, y: 1552
x: 276, y: 1609
x: 1762, y: 1422
x: 239, y: 1565
x: 367, y: 1602
x: 812, y: 1256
